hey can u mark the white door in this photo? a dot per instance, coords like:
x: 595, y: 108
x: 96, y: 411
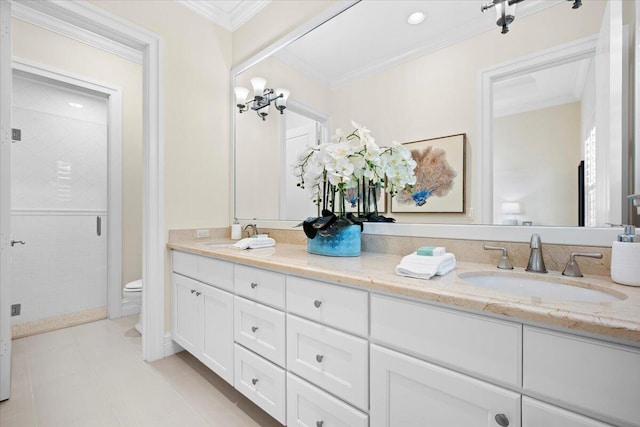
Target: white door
x: 409, y: 392
x: 538, y: 414
x: 59, y: 202
x: 5, y: 199
x: 611, y: 148
x: 217, y: 334
x: 186, y: 314
x: 296, y: 203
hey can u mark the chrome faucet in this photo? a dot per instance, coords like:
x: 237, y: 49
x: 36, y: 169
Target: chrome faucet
x: 252, y: 227
x: 536, y: 261
x: 573, y: 269
x: 505, y: 263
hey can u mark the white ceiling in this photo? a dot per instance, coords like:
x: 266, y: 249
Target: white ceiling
x: 386, y: 39
x: 229, y: 14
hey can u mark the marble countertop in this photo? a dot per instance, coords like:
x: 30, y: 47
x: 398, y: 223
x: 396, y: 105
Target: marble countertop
x: 375, y: 271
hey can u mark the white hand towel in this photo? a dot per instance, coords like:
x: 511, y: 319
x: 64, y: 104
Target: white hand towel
x: 425, y: 267
x: 254, y: 243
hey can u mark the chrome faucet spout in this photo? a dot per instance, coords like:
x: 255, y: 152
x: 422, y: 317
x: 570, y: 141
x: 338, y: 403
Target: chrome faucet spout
x: 251, y: 227
x: 536, y: 260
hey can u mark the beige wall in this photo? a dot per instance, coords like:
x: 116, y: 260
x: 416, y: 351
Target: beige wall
x: 436, y: 95
x: 535, y: 163
x: 48, y: 48
x: 276, y: 20
x: 195, y: 64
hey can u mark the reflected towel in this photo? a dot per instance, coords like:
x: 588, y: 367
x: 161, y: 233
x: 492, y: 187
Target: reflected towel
x: 425, y: 267
x: 254, y: 243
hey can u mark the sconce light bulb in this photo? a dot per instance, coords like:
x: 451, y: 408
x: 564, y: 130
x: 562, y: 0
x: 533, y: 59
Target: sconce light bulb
x: 258, y: 84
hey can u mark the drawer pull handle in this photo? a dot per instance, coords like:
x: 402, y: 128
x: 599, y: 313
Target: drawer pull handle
x: 254, y: 328
x: 317, y: 303
x: 198, y: 294
x: 319, y: 358
x: 319, y: 423
x: 254, y: 381
x: 254, y: 285
x: 193, y: 291
x: 502, y: 420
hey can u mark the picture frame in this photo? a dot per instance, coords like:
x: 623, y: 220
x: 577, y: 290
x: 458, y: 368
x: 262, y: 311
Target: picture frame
x: 440, y: 174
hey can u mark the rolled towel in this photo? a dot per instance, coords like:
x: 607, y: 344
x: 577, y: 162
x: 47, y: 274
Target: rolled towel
x: 425, y: 267
x: 254, y: 243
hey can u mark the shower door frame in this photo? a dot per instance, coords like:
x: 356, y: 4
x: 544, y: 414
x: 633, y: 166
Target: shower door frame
x: 114, y: 168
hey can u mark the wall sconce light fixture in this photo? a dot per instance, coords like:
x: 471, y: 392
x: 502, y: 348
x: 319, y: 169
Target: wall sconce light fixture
x: 510, y: 210
x: 506, y: 11
x: 262, y: 98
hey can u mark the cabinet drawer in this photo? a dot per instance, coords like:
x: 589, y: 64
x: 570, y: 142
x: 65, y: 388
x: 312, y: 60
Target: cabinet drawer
x: 309, y: 406
x: 260, y: 285
x: 536, y: 414
x: 337, y: 306
x: 484, y: 347
x: 593, y: 376
x: 333, y: 360
x: 260, y: 329
x: 207, y: 270
x: 406, y: 391
x: 261, y: 381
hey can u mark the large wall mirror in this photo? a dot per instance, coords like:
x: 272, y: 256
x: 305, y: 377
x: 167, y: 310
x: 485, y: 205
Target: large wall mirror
x: 544, y: 108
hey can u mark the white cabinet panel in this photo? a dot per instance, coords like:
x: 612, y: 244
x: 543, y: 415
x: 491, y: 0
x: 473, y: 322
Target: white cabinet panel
x: 337, y: 306
x: 204, y: 269
x: 261, y: 381
x: 309, y: 406
x: 597, y: 377
x: 478, y: 345
x: 186, y: 322
x: 217, y: 334
x: 260, y: 285
x: 409, y: 392
x: 331, y: 359
x: 260, y: 329
x: 538, y: 414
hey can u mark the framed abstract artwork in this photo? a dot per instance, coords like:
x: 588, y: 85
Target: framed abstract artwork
x: 440, y: 177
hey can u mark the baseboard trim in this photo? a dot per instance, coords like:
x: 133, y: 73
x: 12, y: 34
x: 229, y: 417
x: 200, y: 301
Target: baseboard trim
x: 170, y: 346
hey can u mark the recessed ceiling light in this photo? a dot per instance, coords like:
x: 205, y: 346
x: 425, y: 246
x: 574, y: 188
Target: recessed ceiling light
x: 75, y: 105
x: 415, y: 18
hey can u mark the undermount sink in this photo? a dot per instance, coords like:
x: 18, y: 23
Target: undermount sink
x: 547, y: 287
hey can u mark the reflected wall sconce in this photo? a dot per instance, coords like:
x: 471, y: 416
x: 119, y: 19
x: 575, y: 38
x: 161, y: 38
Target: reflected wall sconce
x: 262, y: 98
x: 506, y: 11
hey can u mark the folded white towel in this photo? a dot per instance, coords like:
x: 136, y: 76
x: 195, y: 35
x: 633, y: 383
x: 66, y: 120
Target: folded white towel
x: 425, y: 267
x: 254, y: 243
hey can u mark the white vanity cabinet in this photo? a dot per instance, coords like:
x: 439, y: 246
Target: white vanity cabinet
x: 202, y: 323
x: 539, y: 414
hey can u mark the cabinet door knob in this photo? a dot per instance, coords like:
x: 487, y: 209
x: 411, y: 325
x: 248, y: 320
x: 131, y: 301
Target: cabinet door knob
x: 317, y: 303
x: 319, y: 358
x: 319, y: 423
x: 198, y: 294
x: 193, y: 291
x: 254, y: 285
x: 502, y: 420
x: 254, y: 381
x: 254, y: 328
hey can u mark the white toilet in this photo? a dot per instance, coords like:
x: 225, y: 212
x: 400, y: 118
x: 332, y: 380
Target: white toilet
x: 132, y: 294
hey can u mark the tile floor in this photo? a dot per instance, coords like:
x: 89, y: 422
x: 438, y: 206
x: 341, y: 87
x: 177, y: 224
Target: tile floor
x: 92, y: 375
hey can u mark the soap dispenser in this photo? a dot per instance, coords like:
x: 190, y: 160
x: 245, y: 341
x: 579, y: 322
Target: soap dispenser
x: 236, y: 230
x: 625, y: 258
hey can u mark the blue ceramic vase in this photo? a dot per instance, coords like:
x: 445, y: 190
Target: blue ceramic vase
x: 346, y: 242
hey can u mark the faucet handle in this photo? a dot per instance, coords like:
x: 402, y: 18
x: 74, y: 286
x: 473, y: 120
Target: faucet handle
x: 505, y: 263
x: 572, y: 268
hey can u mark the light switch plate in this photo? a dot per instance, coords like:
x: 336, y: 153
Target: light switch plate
x: 202, y: 233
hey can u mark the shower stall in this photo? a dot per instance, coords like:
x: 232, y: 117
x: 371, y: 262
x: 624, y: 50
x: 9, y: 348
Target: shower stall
x: 59, y: 204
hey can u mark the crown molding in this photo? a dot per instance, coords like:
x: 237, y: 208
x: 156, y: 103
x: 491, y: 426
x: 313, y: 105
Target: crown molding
x: 23, y: 12
x: 231, y: 21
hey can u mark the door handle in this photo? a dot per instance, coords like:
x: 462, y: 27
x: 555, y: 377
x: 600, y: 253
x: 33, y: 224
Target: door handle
x: 99, y: 226
x: 15, y: 242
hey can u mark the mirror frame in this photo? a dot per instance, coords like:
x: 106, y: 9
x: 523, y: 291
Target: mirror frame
x: 553, y: 235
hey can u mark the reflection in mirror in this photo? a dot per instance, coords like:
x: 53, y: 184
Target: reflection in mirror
x: 417, y: 82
